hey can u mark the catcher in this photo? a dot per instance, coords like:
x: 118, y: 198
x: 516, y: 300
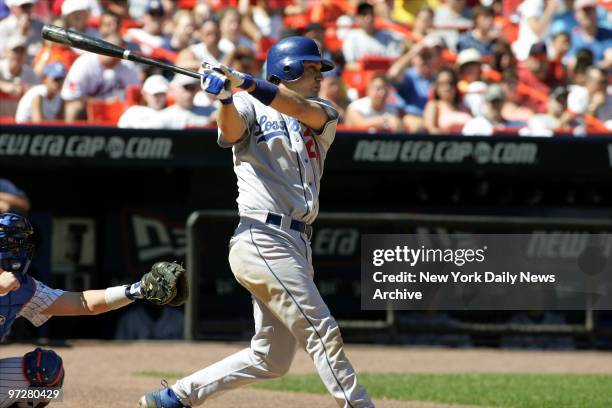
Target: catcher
x: 22, y: 295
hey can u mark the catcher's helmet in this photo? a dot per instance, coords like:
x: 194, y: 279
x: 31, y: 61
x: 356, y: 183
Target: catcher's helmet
x: 15, y: 250
x: 285, y: 61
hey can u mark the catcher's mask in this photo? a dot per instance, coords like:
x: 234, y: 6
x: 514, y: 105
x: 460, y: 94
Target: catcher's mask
x: 15, y: 250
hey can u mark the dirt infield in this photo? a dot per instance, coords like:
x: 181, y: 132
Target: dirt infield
x: 101, y: 374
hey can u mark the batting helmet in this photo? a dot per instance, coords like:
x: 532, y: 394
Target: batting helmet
x: 15, y: 250
x: 285, y: 61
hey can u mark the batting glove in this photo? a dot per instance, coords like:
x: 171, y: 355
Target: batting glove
x: 237, y: 78
x: 213, y: 83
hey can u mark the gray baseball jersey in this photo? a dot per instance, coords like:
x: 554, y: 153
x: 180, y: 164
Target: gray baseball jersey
x: 266, y: 158
x: 279, y: 163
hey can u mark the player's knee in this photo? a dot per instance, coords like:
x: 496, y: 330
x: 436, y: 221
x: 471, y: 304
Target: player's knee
x: 43, y: 368
x: 274, y: 367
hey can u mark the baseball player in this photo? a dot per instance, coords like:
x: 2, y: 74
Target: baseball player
x: 22, y: 295
x: 280, y: 134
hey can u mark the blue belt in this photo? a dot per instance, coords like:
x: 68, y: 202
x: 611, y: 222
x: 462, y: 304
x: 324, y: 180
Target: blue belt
x: 299, y: 226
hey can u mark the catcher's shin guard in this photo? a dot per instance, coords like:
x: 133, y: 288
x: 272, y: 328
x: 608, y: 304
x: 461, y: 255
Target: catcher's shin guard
x: 162, y: 398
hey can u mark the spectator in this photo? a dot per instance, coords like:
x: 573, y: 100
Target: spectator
x: 263, y: 19
x: 184, y: 113
x: 491, y: 117
x: 184, y: 27
x: 333, y: 91
x: 445, y: 112
x: 483, y: 36
x: 202, y: 12
x: 469, y: 63
x: 515, y: 109
x: 207, y: 49
x: 75, y: 14
x: 230, y: 22
x: 413, y: 83
x: 154, y: 96
x: 367, y: 40
x: 54, y: 52
x: 96, y: 76
x: 450, y: 18
x: 533, y: 73
x: 536, y: 16
x: 406, y: 11
x: 43, y: 102
x: 373, y: 111
x: 578, y: 67
x: 242, y: 59
x: 109, y: 23
x: 15, y: 74
x: 21, y: 23
x: 556, y: 117
x: 12, y: 199
x: 559, y: 46
x: 600, y: 102
x: 503, y: 57
x: 150, y: 36
x: 423, y: 23
x: 589, y: 35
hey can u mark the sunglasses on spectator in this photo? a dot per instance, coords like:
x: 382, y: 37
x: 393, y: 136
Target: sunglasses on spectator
x: 191, y: 87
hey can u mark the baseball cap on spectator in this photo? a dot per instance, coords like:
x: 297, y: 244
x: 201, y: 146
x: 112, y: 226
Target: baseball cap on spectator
x: 468, y: 56
x: 580, y: 4
x: 16, y: 41
x: 19, y: 2
x: 494, y: 93
x: 156, y: 84
x: 55, y: 70
x: 70, y: 6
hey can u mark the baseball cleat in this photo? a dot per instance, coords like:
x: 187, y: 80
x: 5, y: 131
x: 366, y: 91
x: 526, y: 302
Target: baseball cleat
x: 162, y: 398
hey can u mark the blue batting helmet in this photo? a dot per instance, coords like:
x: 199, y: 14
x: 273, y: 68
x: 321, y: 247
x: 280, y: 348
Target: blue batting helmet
x: 15, y: 250
x: 285, y: 61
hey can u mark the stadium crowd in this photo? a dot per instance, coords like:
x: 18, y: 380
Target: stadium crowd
x: 536, y: 67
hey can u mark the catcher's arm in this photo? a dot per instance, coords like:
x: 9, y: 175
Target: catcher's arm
x: 164, y: 284
x: 89, y: 302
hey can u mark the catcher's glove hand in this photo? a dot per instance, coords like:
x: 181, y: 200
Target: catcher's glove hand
x: 165, y: 284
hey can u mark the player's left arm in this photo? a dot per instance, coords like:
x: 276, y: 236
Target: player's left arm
x: 281, y: 98
x: 291, y: 103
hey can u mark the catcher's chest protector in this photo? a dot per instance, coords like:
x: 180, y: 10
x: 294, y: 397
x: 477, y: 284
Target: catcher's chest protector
x: 11, y: 304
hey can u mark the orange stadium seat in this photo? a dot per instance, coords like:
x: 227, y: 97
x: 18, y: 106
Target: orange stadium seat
x: 133, y: 95
x: 103, y: 112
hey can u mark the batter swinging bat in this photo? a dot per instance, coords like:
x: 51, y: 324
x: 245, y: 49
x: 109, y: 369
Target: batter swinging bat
x: 97, y: 46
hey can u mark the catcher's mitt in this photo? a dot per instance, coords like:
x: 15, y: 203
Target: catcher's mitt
x: 165, y: 284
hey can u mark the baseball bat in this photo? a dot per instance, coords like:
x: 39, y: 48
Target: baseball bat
x: 97, y: 46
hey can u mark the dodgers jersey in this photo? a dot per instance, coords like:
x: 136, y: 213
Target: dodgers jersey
x: 279, y: 161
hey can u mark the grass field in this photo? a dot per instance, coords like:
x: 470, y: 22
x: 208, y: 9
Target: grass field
x: 491, y: 390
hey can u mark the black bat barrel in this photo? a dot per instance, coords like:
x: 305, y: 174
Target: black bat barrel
x: 83, y: 42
